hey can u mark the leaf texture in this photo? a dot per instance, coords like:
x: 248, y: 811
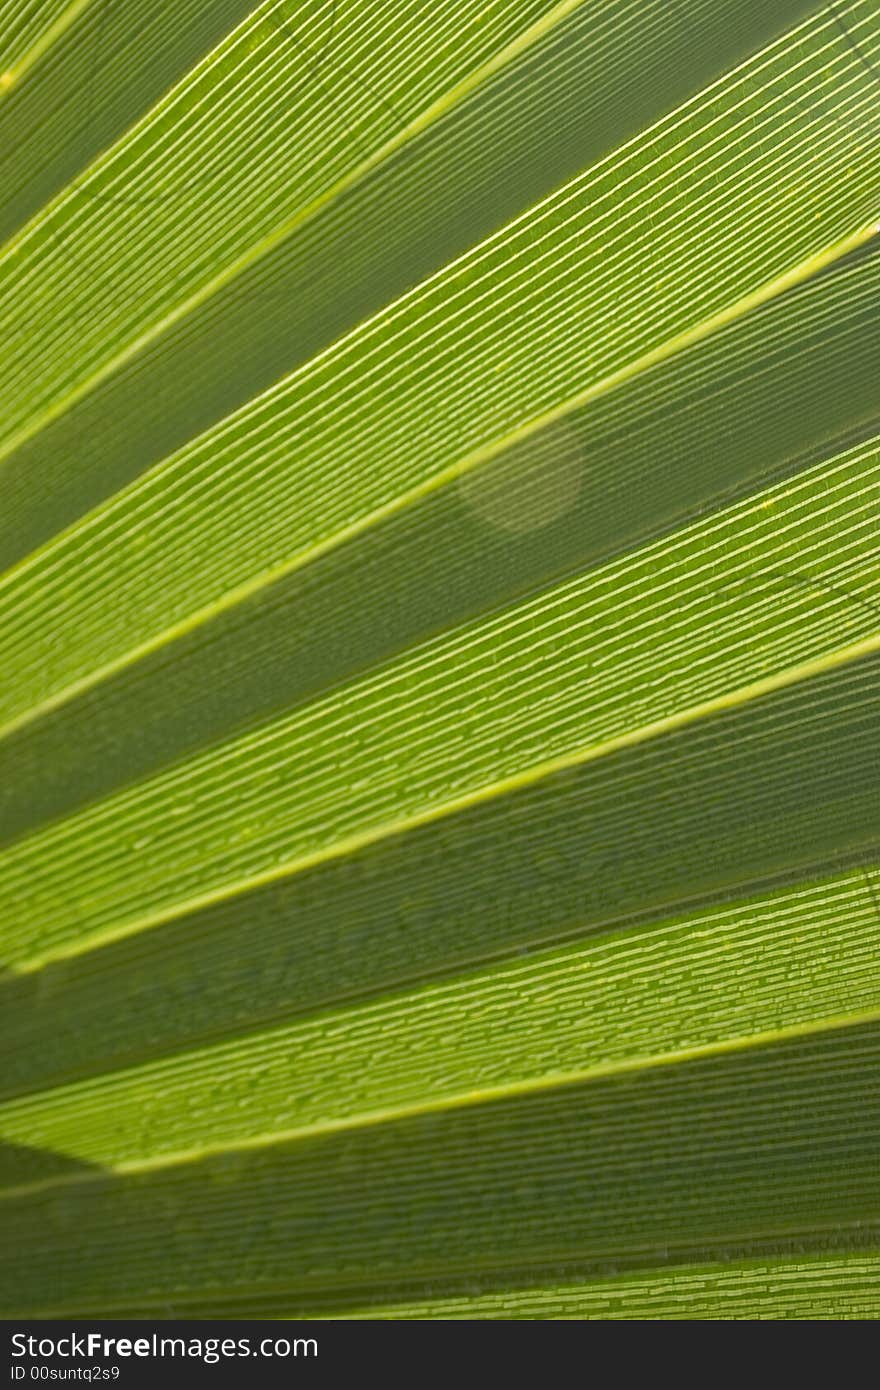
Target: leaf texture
x: 440, y: 649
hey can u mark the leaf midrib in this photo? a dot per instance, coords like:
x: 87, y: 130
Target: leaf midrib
x: 537, y: 1085
x: 423, y: 121
x: 537, y: 773
x: 471, y: 460
x: 13, y: 76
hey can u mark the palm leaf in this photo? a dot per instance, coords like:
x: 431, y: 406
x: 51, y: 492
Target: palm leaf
x: 440, y: 470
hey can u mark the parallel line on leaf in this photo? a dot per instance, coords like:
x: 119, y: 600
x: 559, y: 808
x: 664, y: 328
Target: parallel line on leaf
x: 806, y: 1284
x: 447, y: 1104
x: 680, y: 122
x: 13, y: 75
x: 420, y: 123
x: 482, y: 455
x: 219, y: 1303
x: 193, y: 479
x: 560, y: 1008
x: 539, y: 772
